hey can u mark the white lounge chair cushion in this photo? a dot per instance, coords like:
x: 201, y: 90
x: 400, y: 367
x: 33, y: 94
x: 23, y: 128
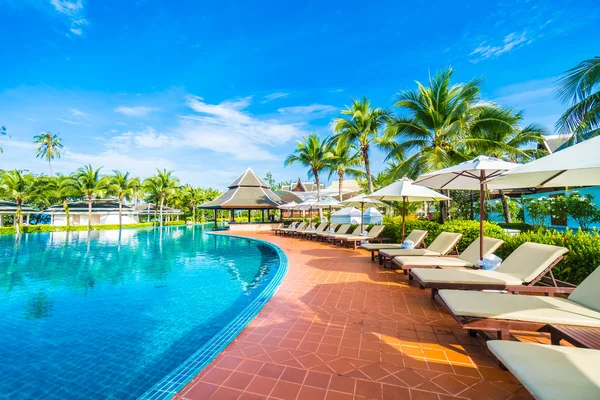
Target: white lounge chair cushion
x: 416, y: 236
x: 380, y: 246
x: 465, y: 276
x: 409, y: 252
x: 425, y: 261
x: 538, y: 309
x: 551, y: 372
x: 530, y: 259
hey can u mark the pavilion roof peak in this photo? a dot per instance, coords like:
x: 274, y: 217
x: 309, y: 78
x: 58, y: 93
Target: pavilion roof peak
x: 248, y: 179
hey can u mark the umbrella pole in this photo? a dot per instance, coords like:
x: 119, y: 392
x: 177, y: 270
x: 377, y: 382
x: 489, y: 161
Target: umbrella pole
x: 481, y: 215
x: 362, y: 213
x: 403, y: 216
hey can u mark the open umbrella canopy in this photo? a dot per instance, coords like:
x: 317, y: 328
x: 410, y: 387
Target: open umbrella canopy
x: 328, y: 202
x: 578, y: 165
x: 361, y: 201
x: 405, y: 190
x: 469, y: 175
x: 307, y: 204
x: 288, y: 206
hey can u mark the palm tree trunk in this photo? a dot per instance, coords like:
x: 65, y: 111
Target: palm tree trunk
x: 505, y: 209
x: 120, y: 214
x: 67, y: 213
x: 18, y: 218
x: 162, y: 201
x: 90, y: 214
x: 50, y: 164
x: 193, y: 213
x: 341, y: 180
x: 365, y: 154
x: 444, y: 205
x: 316, y: 174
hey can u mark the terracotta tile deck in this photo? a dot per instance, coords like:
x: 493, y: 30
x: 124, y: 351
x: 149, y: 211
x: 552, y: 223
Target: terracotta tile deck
x: 342, y: 328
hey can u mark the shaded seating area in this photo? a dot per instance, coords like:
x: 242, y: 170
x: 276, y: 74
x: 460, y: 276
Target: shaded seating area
x: 416, y: 236
x: 249, y: 195
x: 524, y: 268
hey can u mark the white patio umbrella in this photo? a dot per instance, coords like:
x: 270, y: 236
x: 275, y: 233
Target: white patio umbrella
x: 469, y: 175
x: 307, y: 204
x: 291, y: 206
x: 577, y: 165
x: 405, y: 190
x: 359, y: 201
x: 328, y: 202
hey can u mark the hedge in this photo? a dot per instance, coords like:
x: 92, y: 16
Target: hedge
x: 101, y: 227
x: 581, y: 260
x: 521, y: 226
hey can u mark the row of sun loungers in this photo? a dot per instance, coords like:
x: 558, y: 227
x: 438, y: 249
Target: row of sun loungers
x: 336, y: 234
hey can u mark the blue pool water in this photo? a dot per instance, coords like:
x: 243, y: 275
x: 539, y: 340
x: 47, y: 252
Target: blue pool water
x: 109, y: 315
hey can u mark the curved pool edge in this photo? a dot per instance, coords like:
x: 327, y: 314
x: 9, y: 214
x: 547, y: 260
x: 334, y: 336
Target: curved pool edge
x: 177, y: 379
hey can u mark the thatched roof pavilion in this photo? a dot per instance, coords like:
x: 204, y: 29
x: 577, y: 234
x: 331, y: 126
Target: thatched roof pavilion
x: 248, y: 192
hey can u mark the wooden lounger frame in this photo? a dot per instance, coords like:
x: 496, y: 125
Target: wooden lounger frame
x: 542, y: 284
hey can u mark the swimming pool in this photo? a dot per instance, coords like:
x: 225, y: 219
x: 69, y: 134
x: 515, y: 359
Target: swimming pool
x: 127, y: 315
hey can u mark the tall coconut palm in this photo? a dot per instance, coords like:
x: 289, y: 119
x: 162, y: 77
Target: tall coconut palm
x: 436, y: 123
x: 344, y: 159
x: 123, y: 187
x: 163, y: 184
x: 18, y: 187
x: 313, y: 153
x: 89, y: 184
x: 57, y: 188
x: 49, y: 146
x: 498, y: 132
x: 194, y: 196
x: 361, y: 125
x: 3, y: 133
x: 580, y: 88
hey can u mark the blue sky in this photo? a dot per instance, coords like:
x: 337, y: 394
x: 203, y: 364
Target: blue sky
x: 210, y: 88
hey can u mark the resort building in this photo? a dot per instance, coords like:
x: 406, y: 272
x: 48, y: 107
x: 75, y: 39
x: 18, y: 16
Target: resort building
x: 306, y: 190
x: 149, y: 212
x: 9, y: 208
x: 248, y: 204
x: 103, y: 212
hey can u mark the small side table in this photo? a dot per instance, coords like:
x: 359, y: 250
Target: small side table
x: 579, y: 336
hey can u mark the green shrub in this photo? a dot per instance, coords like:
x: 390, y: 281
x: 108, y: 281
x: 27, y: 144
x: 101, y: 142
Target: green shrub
x: 581, y: 260
x: 521, y: 226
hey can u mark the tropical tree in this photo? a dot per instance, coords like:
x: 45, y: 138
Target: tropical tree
x: 580, y: 89
x: 89, y: 185
x: 313, y: 153
x: 49, y: 146
x: 18, y: 187
x: 2, y: 133
x: 57, y: 188
x: 345, y: 157
x: 361, y: 125
x: 498, y: 132
x: 194, y: 196
x: 162, y: 185
x: 123, y: 187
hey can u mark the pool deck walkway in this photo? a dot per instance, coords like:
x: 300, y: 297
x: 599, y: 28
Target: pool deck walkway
x: 340, y: 327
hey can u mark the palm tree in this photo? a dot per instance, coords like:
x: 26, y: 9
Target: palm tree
x: 49, y: 147
x: 361, y: 126
x: 89, y: 184
x: 2, y: 133
x: 314, y: 153
x: 57, y: 188
x: 344, y: 158
x: 18, y: 187
x: 163, y: 184
x: 123, y: 187
x: 580, y: 88
x: 194, y: 196
x: 497, y: 132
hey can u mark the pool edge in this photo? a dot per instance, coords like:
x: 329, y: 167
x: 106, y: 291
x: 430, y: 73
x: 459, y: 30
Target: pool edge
x: 176, y: 380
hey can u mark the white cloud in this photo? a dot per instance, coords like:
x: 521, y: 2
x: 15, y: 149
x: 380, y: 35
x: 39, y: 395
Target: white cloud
x: 313, y: 110
x: 139, y: 111
x: 73, y: 10
x: 274, y: 96
x: 512, y: 41
x: 78, y: 113
x: 67, y: 121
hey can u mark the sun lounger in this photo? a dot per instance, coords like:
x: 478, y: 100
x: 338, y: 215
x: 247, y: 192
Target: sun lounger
x: 308, y: 230
x: 373, y: 234
x: 441, y: 246
x: 416, y: 236
x: 279, y: 230
x: 314, y: 234
x: 337, y: 236
x: 340, y: 231
x: 551, y: 372
x: 500, y: 313
x: 525, y: 267
x: 289, y: 231
x: 467, y: 259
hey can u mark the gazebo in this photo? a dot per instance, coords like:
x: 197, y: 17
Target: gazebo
x: 10, y: 208
x: 247, y: 193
